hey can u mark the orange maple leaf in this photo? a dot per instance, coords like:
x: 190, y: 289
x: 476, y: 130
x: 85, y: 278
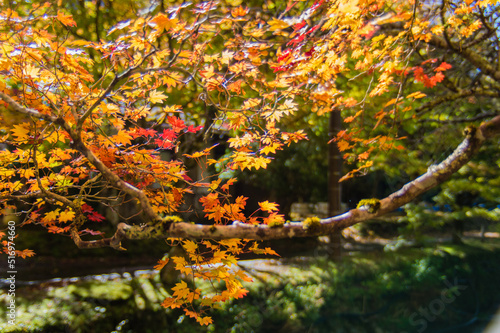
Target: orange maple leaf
x: 25, y: 253
x: 240, y: 11
x: 161, y: 264
x: 240, y: 293
x: 163, y: 22
x: 204, y: 320
x: 67, y: 20
x: 170, y: 302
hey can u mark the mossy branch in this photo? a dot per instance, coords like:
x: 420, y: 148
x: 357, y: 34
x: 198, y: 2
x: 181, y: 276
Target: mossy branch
x: 367, y: 209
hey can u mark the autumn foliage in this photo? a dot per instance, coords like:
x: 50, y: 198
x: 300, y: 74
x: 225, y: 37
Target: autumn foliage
x: 87, y: 126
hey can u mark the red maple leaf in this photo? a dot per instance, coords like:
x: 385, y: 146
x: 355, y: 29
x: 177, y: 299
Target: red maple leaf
x: 168, y: 134
x: 177, y: 124
x: 419, y: 74
x: 145, y: 132
x: 164, y: 144
x: 444, y: 66
x: 192, y: 129
x: 95, y: 216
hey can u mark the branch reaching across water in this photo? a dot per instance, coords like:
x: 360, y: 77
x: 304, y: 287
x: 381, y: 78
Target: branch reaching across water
x: 435, y: 175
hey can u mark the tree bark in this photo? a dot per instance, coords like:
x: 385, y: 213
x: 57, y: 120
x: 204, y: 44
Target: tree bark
x: 434, y: 176
x: 161, y: 228
x: 334, y: 186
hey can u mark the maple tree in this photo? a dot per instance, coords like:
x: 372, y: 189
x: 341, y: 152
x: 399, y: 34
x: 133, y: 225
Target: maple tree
x: 104, y: 121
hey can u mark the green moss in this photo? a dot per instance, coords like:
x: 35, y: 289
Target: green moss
x: 373, y: 205
x: 276, y: 224
x: 311, y: 223
x: 172, y: 219
x: 100, y: 290
x: 470, y: 130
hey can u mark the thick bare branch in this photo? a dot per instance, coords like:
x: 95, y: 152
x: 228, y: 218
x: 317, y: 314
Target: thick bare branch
x: 434, y: 176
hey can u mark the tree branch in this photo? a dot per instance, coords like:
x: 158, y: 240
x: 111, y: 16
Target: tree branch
x: 434, y: 176
x: 474, y: 58
x: 79, y: 145
x: 461, y: 120
x: 110, y: 88
x: 27, y: 111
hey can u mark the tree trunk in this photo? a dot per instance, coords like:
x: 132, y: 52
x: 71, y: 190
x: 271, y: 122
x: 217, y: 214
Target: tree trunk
x: 169, y: 276
x: 334, y: 187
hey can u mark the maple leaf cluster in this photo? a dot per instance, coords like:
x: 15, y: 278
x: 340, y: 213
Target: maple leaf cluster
x: 210, y: 261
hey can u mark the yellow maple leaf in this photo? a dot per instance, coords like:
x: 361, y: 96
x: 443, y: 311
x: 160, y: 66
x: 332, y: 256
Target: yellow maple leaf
x: 31, y: 71
x: 250, y: 103
x: 171, y: 79
x: 195, y: 155
x: 156, y: 96
x: 190, y: 246
x: 273, y: 116
x: 226, y: 57
x: 274, y: 219
x: 67, y: 215
x: 51, y: 216
x: 437, y: 30
x: 208, y: 72
x: 238, y: 67
x: 268, y: 206
x: 271, y: 148
x: 260, y: 162
x: 181, y: 290
x: 214, y: 185
x: 122, y: 138
x: 231, y: 242
x: 277, y: 25
x: 350, y: 6
x: 20, y: 131
x: 416, y: 94
x: 27, y: 173
x: 180, y: 265
x: 469, y: 30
